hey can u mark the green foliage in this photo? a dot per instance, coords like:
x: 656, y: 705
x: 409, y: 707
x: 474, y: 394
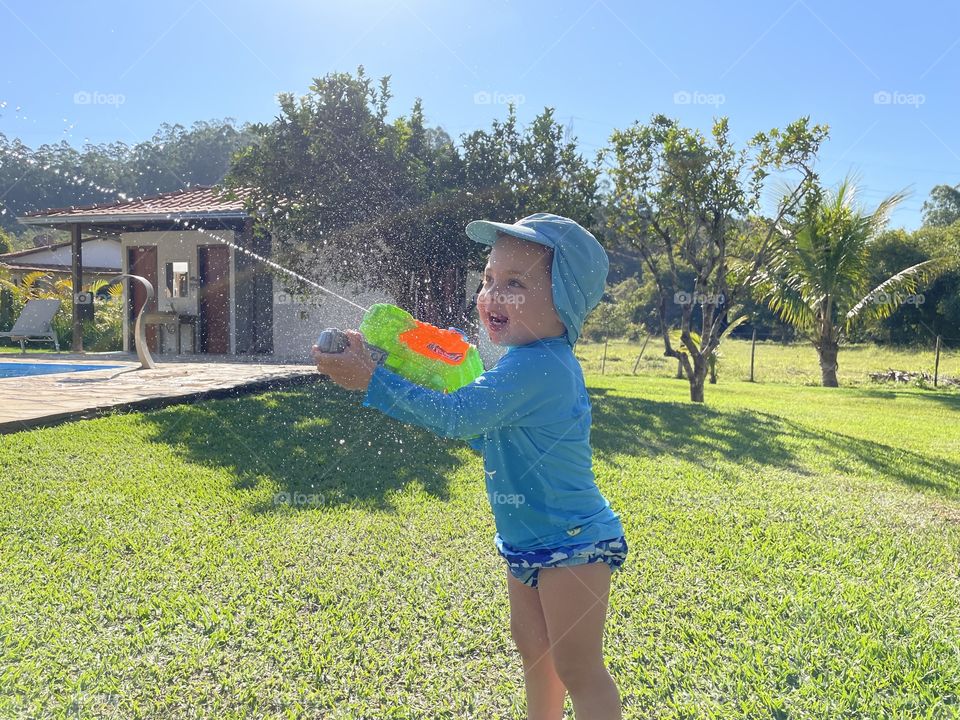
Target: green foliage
x: 104, y: 333
x: 59, y: 175
x: 337, y: 185
x: 939, y: 311
x: 366, y: 199
x: 943, y: 207
x: 691, y: 204
x: 617, y: 317
x: 6, y: 241
x: 533, y: 170
x: 819, y: 279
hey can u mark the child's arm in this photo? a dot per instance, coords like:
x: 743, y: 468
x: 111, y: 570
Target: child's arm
x: 500, y: 396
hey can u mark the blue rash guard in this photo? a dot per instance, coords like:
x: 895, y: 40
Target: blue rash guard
x: 530, y: 415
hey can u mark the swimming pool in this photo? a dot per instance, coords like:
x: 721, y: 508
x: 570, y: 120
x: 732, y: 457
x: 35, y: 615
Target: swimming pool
x: 23, y: 369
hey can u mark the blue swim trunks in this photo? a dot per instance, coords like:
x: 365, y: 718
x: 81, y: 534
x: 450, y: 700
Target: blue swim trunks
x: 525, y: 565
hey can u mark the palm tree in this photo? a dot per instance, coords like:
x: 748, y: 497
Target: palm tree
x: 818, y: 278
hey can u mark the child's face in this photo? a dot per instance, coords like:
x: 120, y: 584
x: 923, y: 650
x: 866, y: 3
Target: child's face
x: 516, y: 300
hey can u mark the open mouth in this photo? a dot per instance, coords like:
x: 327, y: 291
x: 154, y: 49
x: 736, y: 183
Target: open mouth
x: 497, y: 322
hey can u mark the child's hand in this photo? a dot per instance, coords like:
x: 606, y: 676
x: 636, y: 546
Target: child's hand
x: 352, y: 368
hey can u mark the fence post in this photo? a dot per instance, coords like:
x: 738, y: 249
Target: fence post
x: 603, y: 363
x: 637, y: 363
x: 936, y: 363
x: 753, y: 348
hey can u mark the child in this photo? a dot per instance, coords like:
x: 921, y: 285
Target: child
x: 530, y: 415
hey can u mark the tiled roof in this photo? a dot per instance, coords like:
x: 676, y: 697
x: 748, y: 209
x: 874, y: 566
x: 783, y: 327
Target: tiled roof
x: 53, y: 246
x: 195, y: 202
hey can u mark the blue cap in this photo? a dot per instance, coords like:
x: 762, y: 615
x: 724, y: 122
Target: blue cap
x: 580, y: 263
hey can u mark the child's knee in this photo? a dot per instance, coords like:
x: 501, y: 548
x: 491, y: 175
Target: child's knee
x: 577, y: 669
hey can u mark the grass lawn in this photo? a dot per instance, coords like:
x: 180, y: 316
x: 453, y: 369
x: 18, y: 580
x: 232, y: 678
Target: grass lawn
x: 794, y: 554
x: 31, y: 348
x: 774, y: 362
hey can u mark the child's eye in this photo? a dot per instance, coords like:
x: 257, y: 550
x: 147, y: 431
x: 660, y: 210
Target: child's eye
x: 516, y: 282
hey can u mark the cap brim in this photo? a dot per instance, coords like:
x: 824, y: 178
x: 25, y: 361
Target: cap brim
x: 485, y: 232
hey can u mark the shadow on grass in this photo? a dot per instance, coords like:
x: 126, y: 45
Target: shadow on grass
x: 950, y: 398
x: 318, y: 441
x: 314, y: 441
x: 697, y: 434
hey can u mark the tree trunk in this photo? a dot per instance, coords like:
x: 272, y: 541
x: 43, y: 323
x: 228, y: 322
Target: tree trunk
x: 697, y: 378
x: 828, y: 363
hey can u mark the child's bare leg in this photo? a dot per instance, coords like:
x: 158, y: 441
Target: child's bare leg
x: 574, y: 601
x: 545, y: 692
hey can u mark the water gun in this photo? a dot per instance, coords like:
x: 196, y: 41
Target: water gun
x: 438, y: 359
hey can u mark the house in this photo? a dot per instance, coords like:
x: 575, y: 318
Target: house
x: 102, y: 255
x: 197, y: 248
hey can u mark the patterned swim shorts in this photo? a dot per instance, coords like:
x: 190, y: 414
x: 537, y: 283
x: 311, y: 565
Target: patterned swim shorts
x: 525, y: 565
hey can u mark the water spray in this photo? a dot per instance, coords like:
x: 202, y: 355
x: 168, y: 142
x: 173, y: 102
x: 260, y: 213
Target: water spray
x: 440, y: 359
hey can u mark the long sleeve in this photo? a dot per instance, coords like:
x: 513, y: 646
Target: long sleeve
x: 501, y: 396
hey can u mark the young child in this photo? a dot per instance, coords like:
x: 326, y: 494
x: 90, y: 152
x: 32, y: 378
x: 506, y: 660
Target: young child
x: 530, y: 415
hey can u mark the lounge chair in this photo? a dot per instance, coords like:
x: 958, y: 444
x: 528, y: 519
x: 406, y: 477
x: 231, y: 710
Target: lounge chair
x: 35, y: 323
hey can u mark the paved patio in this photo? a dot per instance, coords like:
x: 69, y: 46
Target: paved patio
x: 36, y: 400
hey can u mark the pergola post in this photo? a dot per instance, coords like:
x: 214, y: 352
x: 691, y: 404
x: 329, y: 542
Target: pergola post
x: 77, y: 271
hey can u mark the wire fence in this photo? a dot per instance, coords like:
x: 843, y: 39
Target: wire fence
x: 920, y: 363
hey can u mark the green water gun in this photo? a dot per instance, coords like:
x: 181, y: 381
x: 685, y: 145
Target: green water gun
x: 422, y: 353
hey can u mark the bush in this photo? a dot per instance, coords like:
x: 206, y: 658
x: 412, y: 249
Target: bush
x: 103, y: 334
x: 617, y: 318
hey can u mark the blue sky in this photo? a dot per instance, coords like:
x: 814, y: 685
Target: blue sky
x: 882, y: 75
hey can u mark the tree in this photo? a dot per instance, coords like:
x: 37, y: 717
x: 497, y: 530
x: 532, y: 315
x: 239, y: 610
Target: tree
x: 6, y: 241
x: 351, y: 196
x: 385, y: 202
x: 943, y: 207
x: 59, y: 175
x: 692, y: 205
x: 538, y: 169
x: 715, y: 356
x: 818, y: 280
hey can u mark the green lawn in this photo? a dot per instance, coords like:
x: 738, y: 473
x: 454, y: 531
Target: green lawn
x: 791, y: 363
x: 31, y: 348
x: 794, y: 554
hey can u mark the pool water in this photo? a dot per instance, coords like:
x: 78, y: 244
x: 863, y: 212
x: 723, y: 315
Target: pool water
x: 23, y: 369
